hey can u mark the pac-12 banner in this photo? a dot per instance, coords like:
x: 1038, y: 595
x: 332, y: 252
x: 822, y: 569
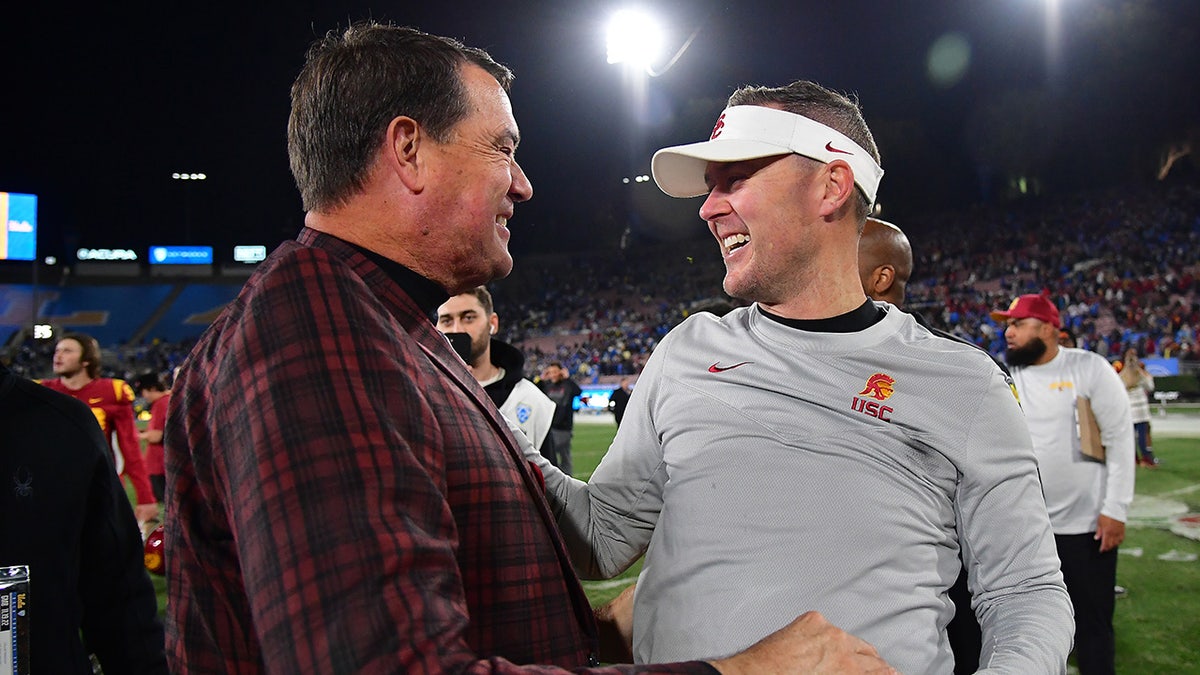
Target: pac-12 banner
x: 18, y: 237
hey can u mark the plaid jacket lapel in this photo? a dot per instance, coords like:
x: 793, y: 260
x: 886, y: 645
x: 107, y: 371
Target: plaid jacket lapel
x: 437, y: 347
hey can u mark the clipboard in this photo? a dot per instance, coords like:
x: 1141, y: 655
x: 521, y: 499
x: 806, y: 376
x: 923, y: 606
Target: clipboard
x: 1089, y: 431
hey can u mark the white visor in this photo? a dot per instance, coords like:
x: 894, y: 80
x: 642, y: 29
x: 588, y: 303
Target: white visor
x: 750, y: 132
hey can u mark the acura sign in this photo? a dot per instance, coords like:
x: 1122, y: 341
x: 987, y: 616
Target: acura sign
x: 105, y: 254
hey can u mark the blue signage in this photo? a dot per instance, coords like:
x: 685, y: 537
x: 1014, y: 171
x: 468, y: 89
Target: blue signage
x: 181, y: 255
x: 1159, y: 367
x: 18, y: 226
x: 249, y: 254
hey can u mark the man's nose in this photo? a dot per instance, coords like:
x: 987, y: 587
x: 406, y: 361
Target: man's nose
x: 522, y: 188
x: 714, y: 205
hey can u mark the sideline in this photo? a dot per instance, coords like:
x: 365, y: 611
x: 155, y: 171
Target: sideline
x: 605, y: 417
x: 609, y: 583
x: 1175, y: 426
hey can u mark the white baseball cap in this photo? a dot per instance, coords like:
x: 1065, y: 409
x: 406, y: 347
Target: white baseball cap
x: 751, y: 131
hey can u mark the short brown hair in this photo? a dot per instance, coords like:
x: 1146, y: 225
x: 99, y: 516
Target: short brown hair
x: 834, y: 110
x: 484, y: 297
x: 354, y: 83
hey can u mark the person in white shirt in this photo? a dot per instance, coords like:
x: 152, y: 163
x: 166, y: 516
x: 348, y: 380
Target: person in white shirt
x: 1088, y: 500
x: 1139, y: 383
x: 498, y: 366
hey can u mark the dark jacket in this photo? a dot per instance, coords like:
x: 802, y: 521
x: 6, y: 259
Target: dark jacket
x: 64, y: 513
x: 512, y: 361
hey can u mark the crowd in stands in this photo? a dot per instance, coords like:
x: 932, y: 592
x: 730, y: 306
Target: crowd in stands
x: 1121, y: 264
x: 601, y: 314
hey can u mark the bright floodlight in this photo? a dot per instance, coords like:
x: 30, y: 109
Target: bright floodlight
x: 633, y: 37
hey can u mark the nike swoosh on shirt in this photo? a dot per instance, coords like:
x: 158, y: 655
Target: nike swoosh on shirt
x: 95, y: 400
x: 718, y: 368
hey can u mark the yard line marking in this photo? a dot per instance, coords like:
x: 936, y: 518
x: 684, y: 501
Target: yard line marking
x: 610, y: 583
x: 1182, y: 491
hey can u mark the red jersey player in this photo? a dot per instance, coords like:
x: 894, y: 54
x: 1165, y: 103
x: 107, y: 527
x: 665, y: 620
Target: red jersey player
x: 155, y: 391
x: 77, y: 364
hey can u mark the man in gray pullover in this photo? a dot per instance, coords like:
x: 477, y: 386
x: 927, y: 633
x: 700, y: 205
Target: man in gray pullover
x: 815, y: 450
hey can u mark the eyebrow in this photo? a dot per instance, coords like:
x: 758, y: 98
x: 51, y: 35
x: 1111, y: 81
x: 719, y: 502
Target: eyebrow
x: 510, y: 135
x: 710, y: 181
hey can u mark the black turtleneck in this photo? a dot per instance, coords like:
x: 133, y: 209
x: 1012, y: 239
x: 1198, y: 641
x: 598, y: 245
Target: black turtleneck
x: 427, y: 294
x: 866, y: 315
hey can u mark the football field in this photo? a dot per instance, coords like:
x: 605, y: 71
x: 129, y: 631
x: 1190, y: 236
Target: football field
x: 1157, y: 619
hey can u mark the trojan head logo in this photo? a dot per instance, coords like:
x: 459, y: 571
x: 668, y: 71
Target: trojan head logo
x: 879, y: 387
x: 719, y: 127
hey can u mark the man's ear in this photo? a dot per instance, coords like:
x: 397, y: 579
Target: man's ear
x: 1049, y: 332
x: 839, y: 186
x: 493, y: 323
x: 882, y: 279
x: 402, y: 152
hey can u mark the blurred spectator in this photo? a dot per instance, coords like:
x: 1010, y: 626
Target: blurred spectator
x: 1139, y: 383
x: 558, y: 386
x: 151, y: 387
x: 619, y: 399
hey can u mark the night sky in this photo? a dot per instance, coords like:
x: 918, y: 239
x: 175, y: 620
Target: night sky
x: 101, y: 105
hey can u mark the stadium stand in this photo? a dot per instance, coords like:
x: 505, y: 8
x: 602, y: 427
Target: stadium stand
x: 111, y: 314
x: 192, y: 311
x: 1120, y: 263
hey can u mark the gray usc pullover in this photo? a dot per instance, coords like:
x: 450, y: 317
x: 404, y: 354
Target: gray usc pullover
x: 766, y: 471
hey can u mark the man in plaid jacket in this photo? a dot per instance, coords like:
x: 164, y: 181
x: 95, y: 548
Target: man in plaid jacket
x: 343, y: 495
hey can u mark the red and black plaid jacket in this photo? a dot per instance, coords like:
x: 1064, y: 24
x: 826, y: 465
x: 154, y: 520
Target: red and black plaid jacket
x: 344, y: 497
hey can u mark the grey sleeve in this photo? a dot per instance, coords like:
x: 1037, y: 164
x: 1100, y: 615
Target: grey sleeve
x: 1008, y: 546
x: 607, y: 522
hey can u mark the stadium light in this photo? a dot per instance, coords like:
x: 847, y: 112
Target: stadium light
x: 187, y: 200
x: 635, y: 38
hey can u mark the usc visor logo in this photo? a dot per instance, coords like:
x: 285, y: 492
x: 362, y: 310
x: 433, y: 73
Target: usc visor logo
x: 720, y: 126
x: 879, y: 387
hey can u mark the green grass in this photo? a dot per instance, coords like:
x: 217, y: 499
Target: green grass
x: 1157, y: 622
